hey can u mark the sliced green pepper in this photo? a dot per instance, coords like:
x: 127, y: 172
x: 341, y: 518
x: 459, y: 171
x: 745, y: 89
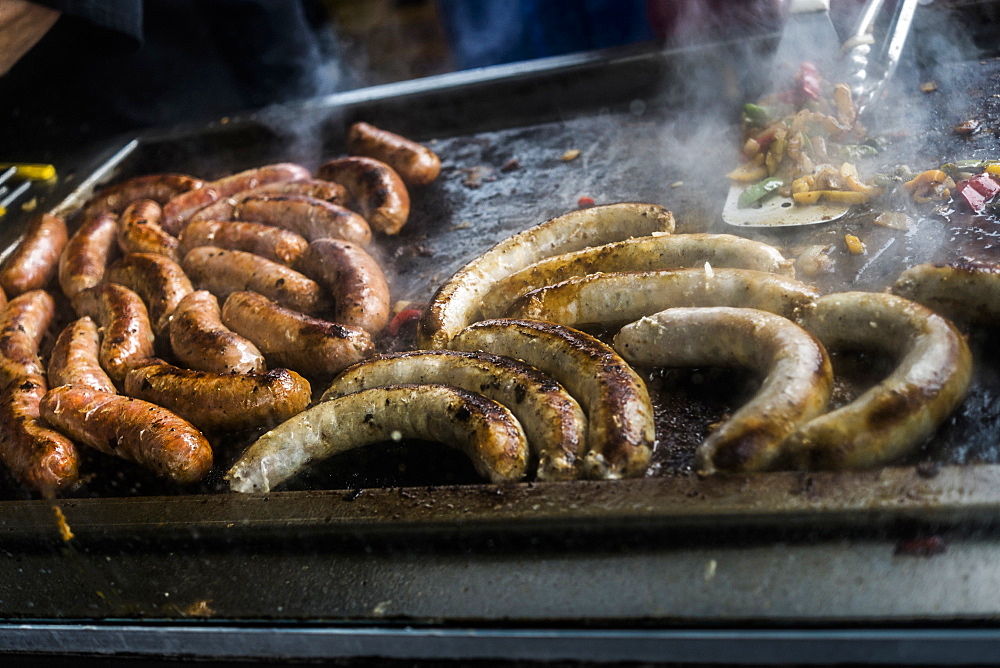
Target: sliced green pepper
x: 857, y: 151
x: 759, y: 191
x: 756, y: 114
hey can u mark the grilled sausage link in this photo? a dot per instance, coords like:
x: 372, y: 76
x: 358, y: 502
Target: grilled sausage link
x: 307, y: 216
x: 160, y: 188
x: 220, y: 401
x: 75, y: 358
x: 354, y: 279
x: 620, y: 428
x: 482, y: 429
x: 897, y: 415
x: 657, y: 252
x: 127, y: 336
x: 965, y: 291
x: 38, y: 457
x: 456, y: 303
x: 35, y: 259
x: 617, y: 298
x: 225, y: 209
x: 179, y: 209
x: 290, y: 339
x: 160, y: 282
x: 136, y: 430
x: 552, y: 420
x: 139, y: 230
x: 374, y: 190
x: 223, y: 272
x: 274, y: 243
x: 200, y: 341
x: 415, y: 163
x: 797, y: 377
x: 85, y: 256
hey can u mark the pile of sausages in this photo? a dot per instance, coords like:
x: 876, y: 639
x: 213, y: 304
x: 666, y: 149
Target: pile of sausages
x: 198, y: 307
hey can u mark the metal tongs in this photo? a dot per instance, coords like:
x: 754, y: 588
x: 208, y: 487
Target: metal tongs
x: 866, y: 79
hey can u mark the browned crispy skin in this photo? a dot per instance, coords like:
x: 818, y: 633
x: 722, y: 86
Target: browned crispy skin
x: 141, y: 432
x: 415, y: 163
x: 160, y: 188
x: 139, y: 230
x: 158, y: 280
x: 354, y: 279
x: 310, y: 217
x: 35, y: 260
x: 200, y: 340
x: 214, y: 401
x: 127, y: 334
x: 75, y: 358
x: 225, y: 209
x: 85, y: 256
x: 375, y: 191
x: 274, y: 243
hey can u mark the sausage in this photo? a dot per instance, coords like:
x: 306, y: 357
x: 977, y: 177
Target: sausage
x: 482, y: 429
x: 139, y: 230
x: 220, y: 401
x: 552, y: 420
x: 290, y: 339
x: 274, y: 243
x: 160, y: 188
x: 223, y: 272
x: 354, y: 279
x: 456, y: 303
x: 893, y: 418
x: 620, y: 431
x: 310, y: 217
x: 374, y: 190
x: 38, y: 457
x: 75, y: 358
x: 225, y: 208
x: 617, y: 298
x: 796, y: 386
x: 179, y: 209
x: 964, y: 291
x: 160, y: 282
x: 200, y: 341
x: 136, y: 430
x: 35, y: 259
x: 85, y: 256
x: 416, y: 164
x: 662, y: 251
x: 127, y: 336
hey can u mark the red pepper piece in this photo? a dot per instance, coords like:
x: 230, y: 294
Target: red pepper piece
x: 977, y: 191
x: 809, y: 82
x: 585, y: 201
x: 985, y: 185
x: 402, y: 319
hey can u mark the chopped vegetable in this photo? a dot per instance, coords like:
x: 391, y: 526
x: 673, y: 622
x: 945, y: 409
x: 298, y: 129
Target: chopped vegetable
x: 893, y: 219
x: 759, y: 191
x: 854, y: 245
x: 585, y: 201
x: 402, y: 319
x: 857, y: 151
x: 571, y: 154
x: 977, y: 191
x: 756, y: 114
x: 928, y: 87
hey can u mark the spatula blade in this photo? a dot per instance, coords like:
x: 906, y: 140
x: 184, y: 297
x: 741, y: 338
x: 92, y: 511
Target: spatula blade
x: 777, y: 211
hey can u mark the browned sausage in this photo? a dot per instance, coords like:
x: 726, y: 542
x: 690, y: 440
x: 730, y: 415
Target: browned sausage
x: 223, y: 272
x: 375, y: 191
x: 294, y: 340
x: 160, y: 188
x: 214, y: 401
x: 178, y: 210
x: 75, y: 358
x: 132, y: 429
x: 415, y: 163
x: 354, y: 278
x: 38, y: 457
x: 85, y: 256
x: 225, y: 208
x: 35, y: 260
x: 312, y: 218
x: 139, y: 230
x: 274, y: 243
x: 127, y: 335
x: 157, y: 279
x: 200, y: 340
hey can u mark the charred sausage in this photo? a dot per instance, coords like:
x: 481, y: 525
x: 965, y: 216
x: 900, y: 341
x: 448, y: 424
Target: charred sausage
x: 225, y: 208
x: 374, y: 190
x: 35, y: 260
x: 200, y: 341
x: 127, y: 335
x: 274, y: 243
x: 354, y: 279
x: 160, y: 188
x: 75, y: 358
x: 139, y: 230
x: 85, y: 256
x: 310, y: 217
x: 415, y: 163
x: 160, y: 282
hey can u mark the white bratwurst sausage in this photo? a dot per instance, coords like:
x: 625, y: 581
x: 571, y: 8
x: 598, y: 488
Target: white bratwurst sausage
x: 966, y: 291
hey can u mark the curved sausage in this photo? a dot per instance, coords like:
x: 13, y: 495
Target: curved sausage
x: 456, y: 303
x: 662, y: 251
x: 415, y: 163
x: 38, y: 457
x: 796, y: 372
x: 85, y: 256
x: 138, y: 431
x: 620, y: 431
x: 139, y: 230
x: 613, y: 299
x: 552, y: 420
x: 127, y: 335
x: 482, y: 429
x: 200, y: 341
x: 160, y: 282
x: 220, y: 401
x: 160, y: 188
x: 35, y: 259
x: 965, y: 291
x: 374, y: 189
x: 75, y: 358
x: 354, y: 279
x: 225, y: 209
x: 294, y: 340
x: 310, y: 217
x: 897, y: 415
x: 223, y: 272
x: 274, y: 243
